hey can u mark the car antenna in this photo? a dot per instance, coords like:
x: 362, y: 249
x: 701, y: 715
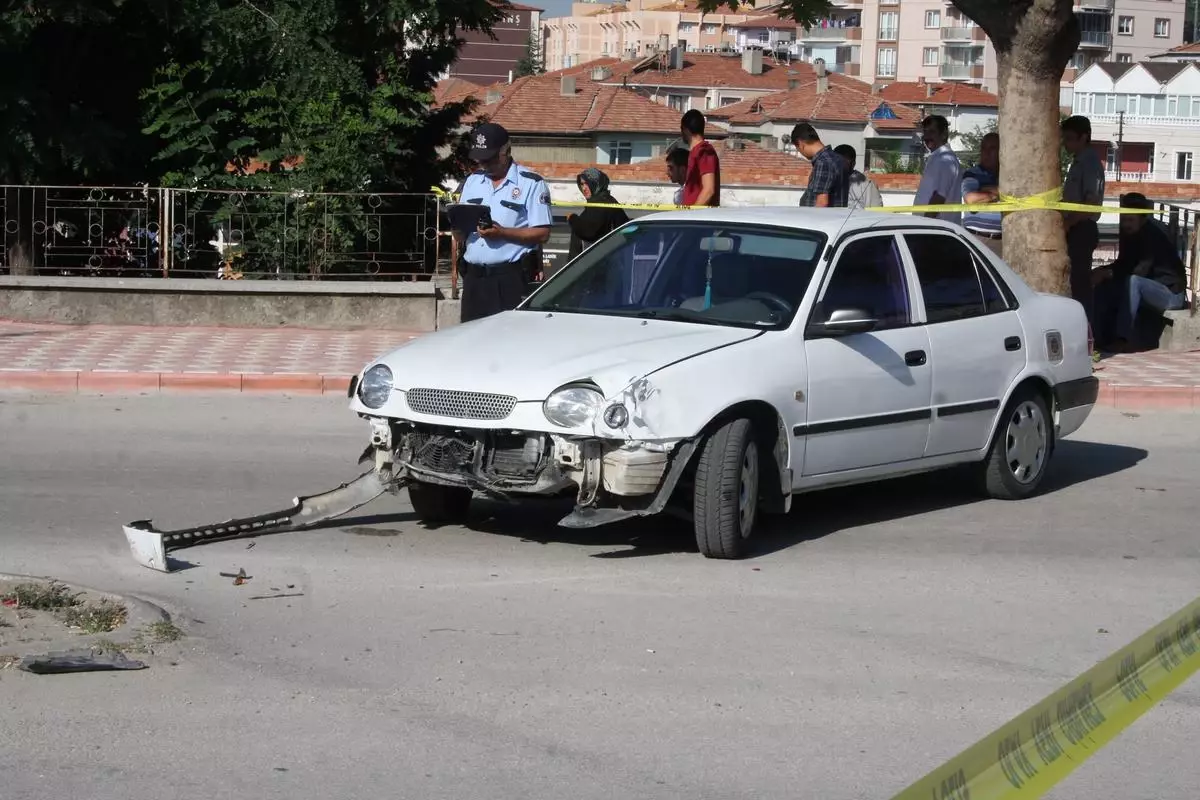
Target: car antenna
x: 849, y: 213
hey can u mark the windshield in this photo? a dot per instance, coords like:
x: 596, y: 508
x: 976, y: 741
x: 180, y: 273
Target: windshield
x: 740, y: 274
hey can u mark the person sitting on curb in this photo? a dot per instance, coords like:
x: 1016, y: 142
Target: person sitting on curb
x: 863, y: 191
x: 593, y: 223
x: 1148, y: 271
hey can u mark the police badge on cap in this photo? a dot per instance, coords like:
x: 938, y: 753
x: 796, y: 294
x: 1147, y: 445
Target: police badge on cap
x: 486, y: 141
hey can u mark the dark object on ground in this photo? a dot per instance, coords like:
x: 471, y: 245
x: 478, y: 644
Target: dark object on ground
x: 77, y: 661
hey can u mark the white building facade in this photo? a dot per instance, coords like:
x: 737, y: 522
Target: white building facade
x: 1145, y: 118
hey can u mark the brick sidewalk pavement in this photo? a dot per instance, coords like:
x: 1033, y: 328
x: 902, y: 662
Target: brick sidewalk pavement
x: 125, y: 358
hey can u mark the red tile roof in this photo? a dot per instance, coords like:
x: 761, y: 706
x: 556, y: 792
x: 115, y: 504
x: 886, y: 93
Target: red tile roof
x: 752, y: 166
x: 768, y: 21
x: 939, y: 94
x: 517, y: 6
x: 838, y: 104
x: 1191, y: 47
x: 537, y: 105
x: 710, y: 70
x: 453, y: 90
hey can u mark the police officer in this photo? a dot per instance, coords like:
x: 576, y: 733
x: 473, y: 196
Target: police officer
x: 499, y: 260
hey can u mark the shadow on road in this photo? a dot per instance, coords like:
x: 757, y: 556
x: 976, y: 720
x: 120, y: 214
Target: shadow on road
x: 815, y: 516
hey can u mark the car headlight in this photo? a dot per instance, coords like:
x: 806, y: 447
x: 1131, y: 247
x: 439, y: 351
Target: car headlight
x: 572, y: 406
x: 375, y: 387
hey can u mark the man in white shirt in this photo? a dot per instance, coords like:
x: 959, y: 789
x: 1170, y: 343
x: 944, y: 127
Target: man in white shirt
x: 941, y: 182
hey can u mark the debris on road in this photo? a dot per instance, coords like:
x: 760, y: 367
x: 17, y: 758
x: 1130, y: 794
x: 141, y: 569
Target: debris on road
x: 274, y: 596
x: 238, y: 578
x: 77, y: 661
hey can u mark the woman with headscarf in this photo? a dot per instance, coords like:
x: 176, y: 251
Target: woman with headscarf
x: 595, y: 221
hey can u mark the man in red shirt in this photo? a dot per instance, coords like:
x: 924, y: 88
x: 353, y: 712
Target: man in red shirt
x: 702, y: 186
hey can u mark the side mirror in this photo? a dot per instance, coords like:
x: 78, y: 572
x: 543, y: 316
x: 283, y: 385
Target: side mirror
x: 844, y: 322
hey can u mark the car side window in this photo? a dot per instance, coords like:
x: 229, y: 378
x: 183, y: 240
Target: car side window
x: 993, y: 300
x: 869, y: 274
x: 949, y: 277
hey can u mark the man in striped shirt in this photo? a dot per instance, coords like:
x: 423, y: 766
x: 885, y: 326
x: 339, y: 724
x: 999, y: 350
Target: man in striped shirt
x: 981, y: 184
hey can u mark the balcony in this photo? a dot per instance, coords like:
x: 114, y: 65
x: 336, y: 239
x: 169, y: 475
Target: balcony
x: 851, y: 69
x: 970, y: 34
x: 1101, y: 39
x: 831, y: 34
x: 1095, y: 5
x: 961, y: 72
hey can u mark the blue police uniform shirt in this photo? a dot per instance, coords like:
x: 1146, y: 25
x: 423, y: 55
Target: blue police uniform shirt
x: 973, y: 180
x: 522, y: 200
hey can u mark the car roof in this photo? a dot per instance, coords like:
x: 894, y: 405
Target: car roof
x: 830, y: 221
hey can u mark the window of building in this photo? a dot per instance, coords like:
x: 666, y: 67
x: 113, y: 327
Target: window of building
x: 886, y: 62
x: 930, y: 57
x: 949, y: 278
x: 678, y: 102
x: 889, y: 25
x: 687, y: 27
x: 620, y: 152
x: 1124, y: 58
x: 764, y: 37
x: 1162, y: 28
x: 1172, y: 106
x: 727, y: 100
x: 1125, y: 26
x: 710, y: 29
x: 1183, y: 166
x: 933, y: 19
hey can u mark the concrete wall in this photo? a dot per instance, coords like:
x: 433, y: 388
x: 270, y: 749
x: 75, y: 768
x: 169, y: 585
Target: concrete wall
x: 341, y: 305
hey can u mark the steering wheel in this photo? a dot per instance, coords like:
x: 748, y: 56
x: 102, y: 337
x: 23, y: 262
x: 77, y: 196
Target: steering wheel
x: 772, y: 299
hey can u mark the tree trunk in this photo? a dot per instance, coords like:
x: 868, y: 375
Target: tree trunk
x: 1034, y: 242
x: 1034, y: 40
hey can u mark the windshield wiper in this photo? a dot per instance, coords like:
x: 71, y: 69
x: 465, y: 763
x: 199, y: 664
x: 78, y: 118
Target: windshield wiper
x: 680, y: 315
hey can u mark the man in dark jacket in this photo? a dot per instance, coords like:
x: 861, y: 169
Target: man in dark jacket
x: 595, y: 221
x: 1147, y: 272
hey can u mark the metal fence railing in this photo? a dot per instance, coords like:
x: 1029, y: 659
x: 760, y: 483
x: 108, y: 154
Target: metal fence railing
x: 175, y: 233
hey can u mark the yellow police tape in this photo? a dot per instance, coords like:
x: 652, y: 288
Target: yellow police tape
x: 1025, y: 757
x: 1045, y: 201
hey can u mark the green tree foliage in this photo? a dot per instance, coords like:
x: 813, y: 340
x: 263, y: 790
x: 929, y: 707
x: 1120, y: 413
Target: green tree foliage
x: 316, y: 95
x: 532, y: 62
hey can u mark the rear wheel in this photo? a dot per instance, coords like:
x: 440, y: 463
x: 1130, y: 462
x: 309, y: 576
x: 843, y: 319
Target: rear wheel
x: 725, y: 495
x: 439, y: 504
x: 1021, y: 448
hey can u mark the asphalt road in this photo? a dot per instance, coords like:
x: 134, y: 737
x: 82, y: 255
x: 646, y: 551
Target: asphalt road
x: 879, y: 632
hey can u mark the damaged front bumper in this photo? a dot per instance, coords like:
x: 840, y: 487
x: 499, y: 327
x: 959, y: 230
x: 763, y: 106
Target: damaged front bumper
x: 612, y: 479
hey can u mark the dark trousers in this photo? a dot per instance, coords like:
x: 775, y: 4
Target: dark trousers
x: 1082, y: 240
x: 491, y: 289
x: 1106, y: 306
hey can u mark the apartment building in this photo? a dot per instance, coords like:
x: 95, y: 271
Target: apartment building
x: 484, y: 59
x: 1145, y: 118
x: 875, y: 40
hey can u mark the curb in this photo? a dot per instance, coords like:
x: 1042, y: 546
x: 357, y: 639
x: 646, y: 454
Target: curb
x: 139, y: 613
x: 107, y: 382
x: 1125, y: 397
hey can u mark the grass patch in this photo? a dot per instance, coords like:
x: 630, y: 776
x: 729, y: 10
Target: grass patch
x: 52, y: 596
x: 100, y: 617
x: 160, y: 632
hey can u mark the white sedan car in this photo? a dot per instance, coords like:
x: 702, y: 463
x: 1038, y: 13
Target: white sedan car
x: 719, y: 362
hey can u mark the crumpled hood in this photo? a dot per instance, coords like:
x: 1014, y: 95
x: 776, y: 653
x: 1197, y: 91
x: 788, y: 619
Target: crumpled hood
x: 529, y: 354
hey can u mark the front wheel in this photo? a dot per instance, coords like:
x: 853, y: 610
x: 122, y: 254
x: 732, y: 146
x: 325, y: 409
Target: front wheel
x: 1021, y: 448
x: 725, y: 496
x: 438, y: 504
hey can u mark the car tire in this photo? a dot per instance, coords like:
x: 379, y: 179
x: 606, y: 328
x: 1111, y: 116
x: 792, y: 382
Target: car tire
x: 725, y: 494
x: 438, y: 504
x: 1020, y: 450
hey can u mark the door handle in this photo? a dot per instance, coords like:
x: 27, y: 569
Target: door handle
x: 915, y: 358
x: 1012, y: 343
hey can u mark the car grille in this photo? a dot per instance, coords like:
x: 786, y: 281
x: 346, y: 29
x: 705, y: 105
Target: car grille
x: 460, y: 405
x: 440, y: 453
